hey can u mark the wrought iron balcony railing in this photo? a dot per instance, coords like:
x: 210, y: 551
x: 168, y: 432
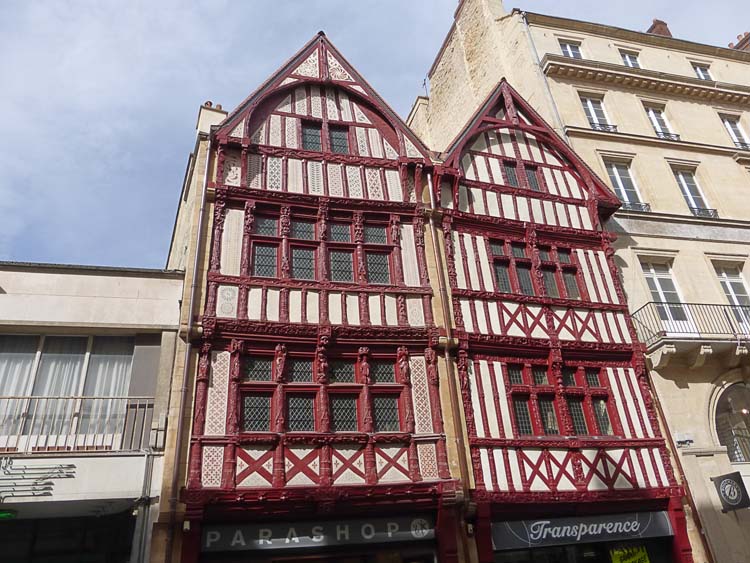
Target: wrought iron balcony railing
x: 635, y: 206
x: 668, y: 136
x: 742, y: 145
x: 706, y: 213
x: 657, y: 321
x: 603, y: 127
x: 74, y: 424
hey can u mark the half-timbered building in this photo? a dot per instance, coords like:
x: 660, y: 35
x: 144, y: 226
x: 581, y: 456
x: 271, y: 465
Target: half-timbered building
x: 560, y: 419
x: 316, y: 423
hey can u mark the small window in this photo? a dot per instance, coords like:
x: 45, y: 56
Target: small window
x: 592, y: 377
x: 256, y: 412
x: 524, y: 279
x: 622, y: 182
x: 264, y: 261
x: 690, y: 190
x: 304, y: 230
x: 511, y: 177
x: 341, y: 372
x: 732, y: 124
x: 550, y: 283
x: 341, y: 266
x: 575, y: 406
x: 549, y: 416
x: 311, y: 137
x: 344, y: 413
x: 299, y: 371
x: 378, y: 270
x: 496, y: 246
x: 533, y: 179
x: 257, y: 369
x: 540, y: 375
x: 594, y: 110
x: 701, y: 71
x: 303, y: 263
x: 544, y: 253
x: 300, y: 413
x: 563, y: 254
x: 630, y: 58
x: 339, y: 137
x: 658, y: 121
x: 266, y: 226
x: 518, y: 250
x: 385, y: 413
x: 375, y: 235
x: 571, y: 49
x: 571, y: 285
x: 382, y: 372
x: 515, y: 374
x: 602, y: 417
x: 569, y: 376
x: 340, y: 232
x: 502, y: 277
x: 523, y: 418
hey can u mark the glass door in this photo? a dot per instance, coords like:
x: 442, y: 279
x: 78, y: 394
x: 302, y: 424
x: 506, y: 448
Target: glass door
x: 735, y: 291
x: 672, y: 312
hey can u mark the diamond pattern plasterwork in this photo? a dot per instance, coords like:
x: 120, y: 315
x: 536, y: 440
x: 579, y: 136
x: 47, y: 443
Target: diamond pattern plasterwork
x: 355, y: 181
x: 216, y: 403
x: 390, y: 151
x: 253, y: 171
x: 374, y: 185
x: 362, y: 141
x: 427, y: 461
x: 212, y: 462
x: 411, y: 150
x: 336, y: 71
x: 273, y: 180
x: 238, y: 129
x: 359, y: 115
x: 309, y: 67
x: 420, y: 396
x: 335, y: 184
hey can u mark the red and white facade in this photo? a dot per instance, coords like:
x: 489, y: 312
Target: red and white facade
x: 317, y: 385
x: 559, y: 413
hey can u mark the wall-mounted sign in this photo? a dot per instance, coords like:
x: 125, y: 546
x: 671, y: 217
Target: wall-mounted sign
x: 732, y: 492
x: 522, y: 534
x: 316, y: 533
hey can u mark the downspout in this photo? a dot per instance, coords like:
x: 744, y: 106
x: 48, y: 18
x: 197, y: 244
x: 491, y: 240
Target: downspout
x: 543, y: 76
x: 138, y: 554
x: 173, y: 498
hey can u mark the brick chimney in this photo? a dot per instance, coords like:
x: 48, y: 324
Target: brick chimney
x: 659, y: 27
x: 743, y: 42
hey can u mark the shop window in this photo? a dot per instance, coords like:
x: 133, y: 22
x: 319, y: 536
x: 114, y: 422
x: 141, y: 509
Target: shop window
x: 733, y: 422
x: 343, y: 413
x: 339, y: 138
x: 264, y: 261
x: 311, y: 136
x: 256, y: 412
x: 385, y: 413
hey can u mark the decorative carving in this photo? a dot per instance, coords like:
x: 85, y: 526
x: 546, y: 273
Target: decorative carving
x: 322, y: 364
x: 279, y: 363
x: 402, y: 361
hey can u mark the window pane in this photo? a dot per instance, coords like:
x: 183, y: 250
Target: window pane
x: 341, y: 372
x: 264, y: 261
x: 622, y: 182
x: 299, y: 371
x: 657, y: 119
x: 377, y: 268
x: 257, y: 369
x: 382, y: 372
x: 300, y: 413
x: 502, y: 278
x: 544, y: 254
x: 630, y: 59
x: 592, y: 377
x: 524, y: 279
x: 108, y: 374
x: 303, y: 263
x: 689, y: 187
x: 375, y: 235
x: 510, y: 174
x: 550, y: 283
x: 702, y: 72
x: 563, y: 254
x: 540, y: 375
x: 523, y: 419
x: 60, y: 367
x: 533, y: 180
x: 515, y: 374
x: 575, y: 407
x: 385, y: 413
x: 341, y: 266
x: 343, y: 413
x: 496, y: 246
x: 549, y: 418
x: 569, y: 377
x: 267, y: 226
x: 303, y: 230
x: 17, y: 354
x: 339, y: 140
x: 518, y: 250
x: 602, y: 417
x: 311, y: 137
x: 571, y: 285
x: 594, y: 110
x: 256, y: 413
x: 340, y: 232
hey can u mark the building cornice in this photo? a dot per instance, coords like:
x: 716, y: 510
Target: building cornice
x: 89, y: 270
x: 612, y: 32
x: 643, y: 79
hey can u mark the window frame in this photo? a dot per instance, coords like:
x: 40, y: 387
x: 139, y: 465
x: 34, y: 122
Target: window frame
x: 566, y: 48
x: 611, y: 167
x: 680, y: 174
x: 702, y: 70
x: 651, y: 112
x: 587, y: 103
x: 309, y: 124
x: 738, y: 137
x: 626, y: 55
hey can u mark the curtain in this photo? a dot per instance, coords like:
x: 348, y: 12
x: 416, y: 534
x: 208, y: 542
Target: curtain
x: 107, y: 382
x: 16, y: 360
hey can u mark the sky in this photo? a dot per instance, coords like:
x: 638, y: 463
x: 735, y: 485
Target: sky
x: 98, y: 100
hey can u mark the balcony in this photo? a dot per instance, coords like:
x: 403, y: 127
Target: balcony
x: 668, y: 136
x: 742, y: 145
x: 75, y: 424
x: 635, y: 206
x: 603, y: 127
x: 704, y: 213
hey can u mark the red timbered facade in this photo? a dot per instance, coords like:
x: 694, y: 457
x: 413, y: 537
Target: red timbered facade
x: 317, y: 387
x: 559, y: 413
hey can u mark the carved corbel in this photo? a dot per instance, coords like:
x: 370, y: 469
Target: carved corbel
x: 733, y: 359
x: 659, y: 359
x: 700, y: 355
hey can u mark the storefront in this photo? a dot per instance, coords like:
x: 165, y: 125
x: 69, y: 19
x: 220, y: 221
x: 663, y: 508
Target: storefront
x: 403, y: 539
x: 638, y: 537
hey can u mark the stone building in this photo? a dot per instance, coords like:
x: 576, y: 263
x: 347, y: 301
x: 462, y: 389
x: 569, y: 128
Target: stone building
x: 664, y: 121
x: 85, y: 364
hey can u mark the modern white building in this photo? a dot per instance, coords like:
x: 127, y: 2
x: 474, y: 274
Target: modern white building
x: 85, y: 356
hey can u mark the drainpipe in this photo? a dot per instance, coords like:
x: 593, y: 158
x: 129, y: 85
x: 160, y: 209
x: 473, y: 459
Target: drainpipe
x: 173, y: 498
x: 143, y: 506
x: 543, y: 76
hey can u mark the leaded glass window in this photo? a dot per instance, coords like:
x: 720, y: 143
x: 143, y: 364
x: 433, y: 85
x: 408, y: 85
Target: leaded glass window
x: 540, y: 375
x: 378, y: 271
x: 375, y: 234
x: 266, y: 226
x: 550, y: 283
x: 549, y: 417
x: 592, y: 377
x: 496, y: 246
x: 257, y: 369
x: 515, y: 374
x: 518, y: 250
x: 569, y: 376
x: 511, y: 177
x: 304, y: 230
x: 340, y: 232
x: 385, y: 413
x: 575, y: 407
x: 300, y: 413
x: 341, y: 266
x: 563, y: 255
x: 524, y: 279
x: 571, y: 285
x: 523, y: 419
x: 303, y: 263
x: 256, y: 413
x: 299, y: 371
x: 339, y: 137
x: 264, y: 261
x: 602, y: 417
x: 382, y: 372
x: 533, y: 180
x: 502, y: 277
x: 341, y: 372
x: 311, y: 137
x: 343, y: 413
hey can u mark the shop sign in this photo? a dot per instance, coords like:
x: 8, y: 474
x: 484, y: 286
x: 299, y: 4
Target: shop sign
x: 732, y: 492
x: 251, y: 537
x: 522, y: 534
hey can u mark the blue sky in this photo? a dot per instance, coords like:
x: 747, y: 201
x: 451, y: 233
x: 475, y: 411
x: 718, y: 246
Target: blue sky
x: 99, y: 99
